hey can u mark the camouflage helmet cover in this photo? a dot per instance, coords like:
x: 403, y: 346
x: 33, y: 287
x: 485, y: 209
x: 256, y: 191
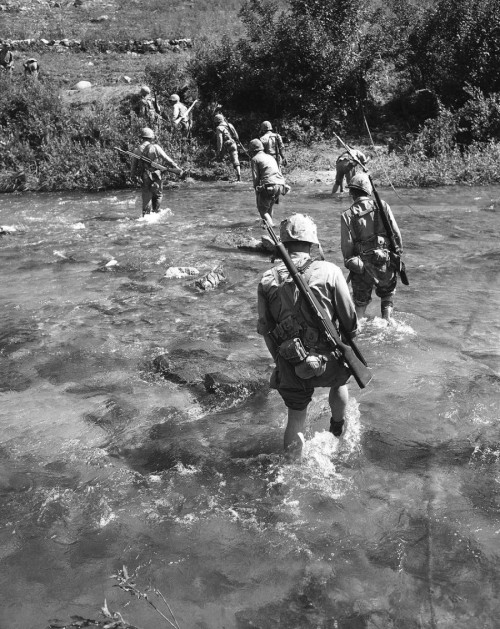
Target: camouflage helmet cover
x: 219, y: 118
x: 145, y: 89
x: 361, y: 182
x: 266, y: 126
x: 147, y: 133
x: 255, y: 146
x: 299, y: 227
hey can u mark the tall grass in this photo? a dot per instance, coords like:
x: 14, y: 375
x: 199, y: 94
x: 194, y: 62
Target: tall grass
x: 129, y: 19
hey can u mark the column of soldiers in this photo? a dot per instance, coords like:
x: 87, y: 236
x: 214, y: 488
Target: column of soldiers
x: 303, y: 358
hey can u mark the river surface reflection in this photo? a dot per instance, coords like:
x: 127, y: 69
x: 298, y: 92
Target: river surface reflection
x: 104, y: 463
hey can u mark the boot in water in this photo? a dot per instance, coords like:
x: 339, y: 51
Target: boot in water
x: 387, y: 314
x: 336, y: 427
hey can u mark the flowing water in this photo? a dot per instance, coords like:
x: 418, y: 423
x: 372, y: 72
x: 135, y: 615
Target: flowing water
x: 105, y: 462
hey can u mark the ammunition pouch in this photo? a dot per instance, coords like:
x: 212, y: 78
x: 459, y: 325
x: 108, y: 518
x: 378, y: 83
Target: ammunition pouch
x: 355, y: 265
x: 313, y: 365
x: 285, y: 330
x: 379, y: 257
x: 293, y: 351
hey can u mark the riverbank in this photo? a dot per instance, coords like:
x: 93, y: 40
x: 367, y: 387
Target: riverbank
x: 96, y: 170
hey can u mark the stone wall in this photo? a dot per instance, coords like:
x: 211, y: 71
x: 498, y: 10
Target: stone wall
x: 99, y: 45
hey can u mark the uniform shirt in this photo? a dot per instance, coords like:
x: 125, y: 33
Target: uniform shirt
x: 6, y: 58
x: 326, y: 282
x: 178, y: 111
x: 153, y: 152
x: 346, y: 156
x: 273, y: 143
x: 355, y: 228
x: 265, y: 170
x: 31, y: 66
x: 226, y: 136
x: 146, y: 107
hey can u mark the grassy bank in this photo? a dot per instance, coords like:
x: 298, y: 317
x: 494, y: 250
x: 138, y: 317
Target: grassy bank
x: 126, y: 19
x: 53, y: 138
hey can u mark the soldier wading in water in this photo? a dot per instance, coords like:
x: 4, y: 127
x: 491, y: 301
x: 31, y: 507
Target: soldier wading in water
x: 366, y: 251
x: 303, y: 358
x: 227, y: 142
x: 268, y: 182
x: 152, y: 184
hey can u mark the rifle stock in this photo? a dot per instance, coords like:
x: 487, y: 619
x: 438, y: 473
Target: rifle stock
x: 346, y: 354
x: 395, y: 250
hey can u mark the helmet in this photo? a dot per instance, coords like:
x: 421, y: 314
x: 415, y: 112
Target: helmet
x: 174, y: 98
x: 299, y: 227
x: 266, y: 126
x: 145, y: 90
x: 255, y: 146
x: 147, y: 133
x: 219, y: 118
x: 361, y: 182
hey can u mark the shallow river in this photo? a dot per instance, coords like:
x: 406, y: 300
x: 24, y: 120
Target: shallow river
x: 104, y: 462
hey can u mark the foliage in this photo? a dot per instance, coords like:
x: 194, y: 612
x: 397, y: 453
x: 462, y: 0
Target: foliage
x: 455, y: 43
x: 302, y: 62
x: 115, y: 620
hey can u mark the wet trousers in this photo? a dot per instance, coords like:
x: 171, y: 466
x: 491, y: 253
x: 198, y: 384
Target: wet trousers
x: 384, y: 282
x: 152, y: 193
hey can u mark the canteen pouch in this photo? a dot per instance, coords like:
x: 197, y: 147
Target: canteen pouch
x: 287, y: 329
x: 293, y: 351
x: 313, y: 365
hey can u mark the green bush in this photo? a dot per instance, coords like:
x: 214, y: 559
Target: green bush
x: 455, y: 43
x: 295, y: 63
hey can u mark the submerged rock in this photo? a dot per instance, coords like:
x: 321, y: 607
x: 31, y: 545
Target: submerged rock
x: 211, y: 280
x: 177, y: 272
x: 216, y: 382
x: 264, y: 245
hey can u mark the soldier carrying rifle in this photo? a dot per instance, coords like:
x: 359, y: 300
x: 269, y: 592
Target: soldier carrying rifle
x: 300, y: 303
x: 365, y: 243
x: 146, y: 163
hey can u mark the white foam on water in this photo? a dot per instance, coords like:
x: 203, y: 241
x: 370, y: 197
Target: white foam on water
x: 155, y: 217
x: 78, y: 226
x: 378, y: 330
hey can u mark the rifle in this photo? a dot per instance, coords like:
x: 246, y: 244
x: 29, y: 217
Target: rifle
x: 393, y: 245
x: 154, y: 165
x: 156, y: 105
x: 346, y: 354
x: 184, y: 116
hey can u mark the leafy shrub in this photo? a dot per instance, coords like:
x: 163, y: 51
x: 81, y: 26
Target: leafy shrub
x: 296, y: 63
x: 454, y: 43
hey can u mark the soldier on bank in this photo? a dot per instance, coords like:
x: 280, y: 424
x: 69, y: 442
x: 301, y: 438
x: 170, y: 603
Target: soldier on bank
x: 227, y: 142
x: 345, y: 168
x: 180, y: 117
x: 365, y: 247
x: 289, y: 329
x: 147, y: 109
x: 268, y: 182
x: 152, y: 183
x: 273, y: 143
x: 31, y: 68
x: 7, y: 58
